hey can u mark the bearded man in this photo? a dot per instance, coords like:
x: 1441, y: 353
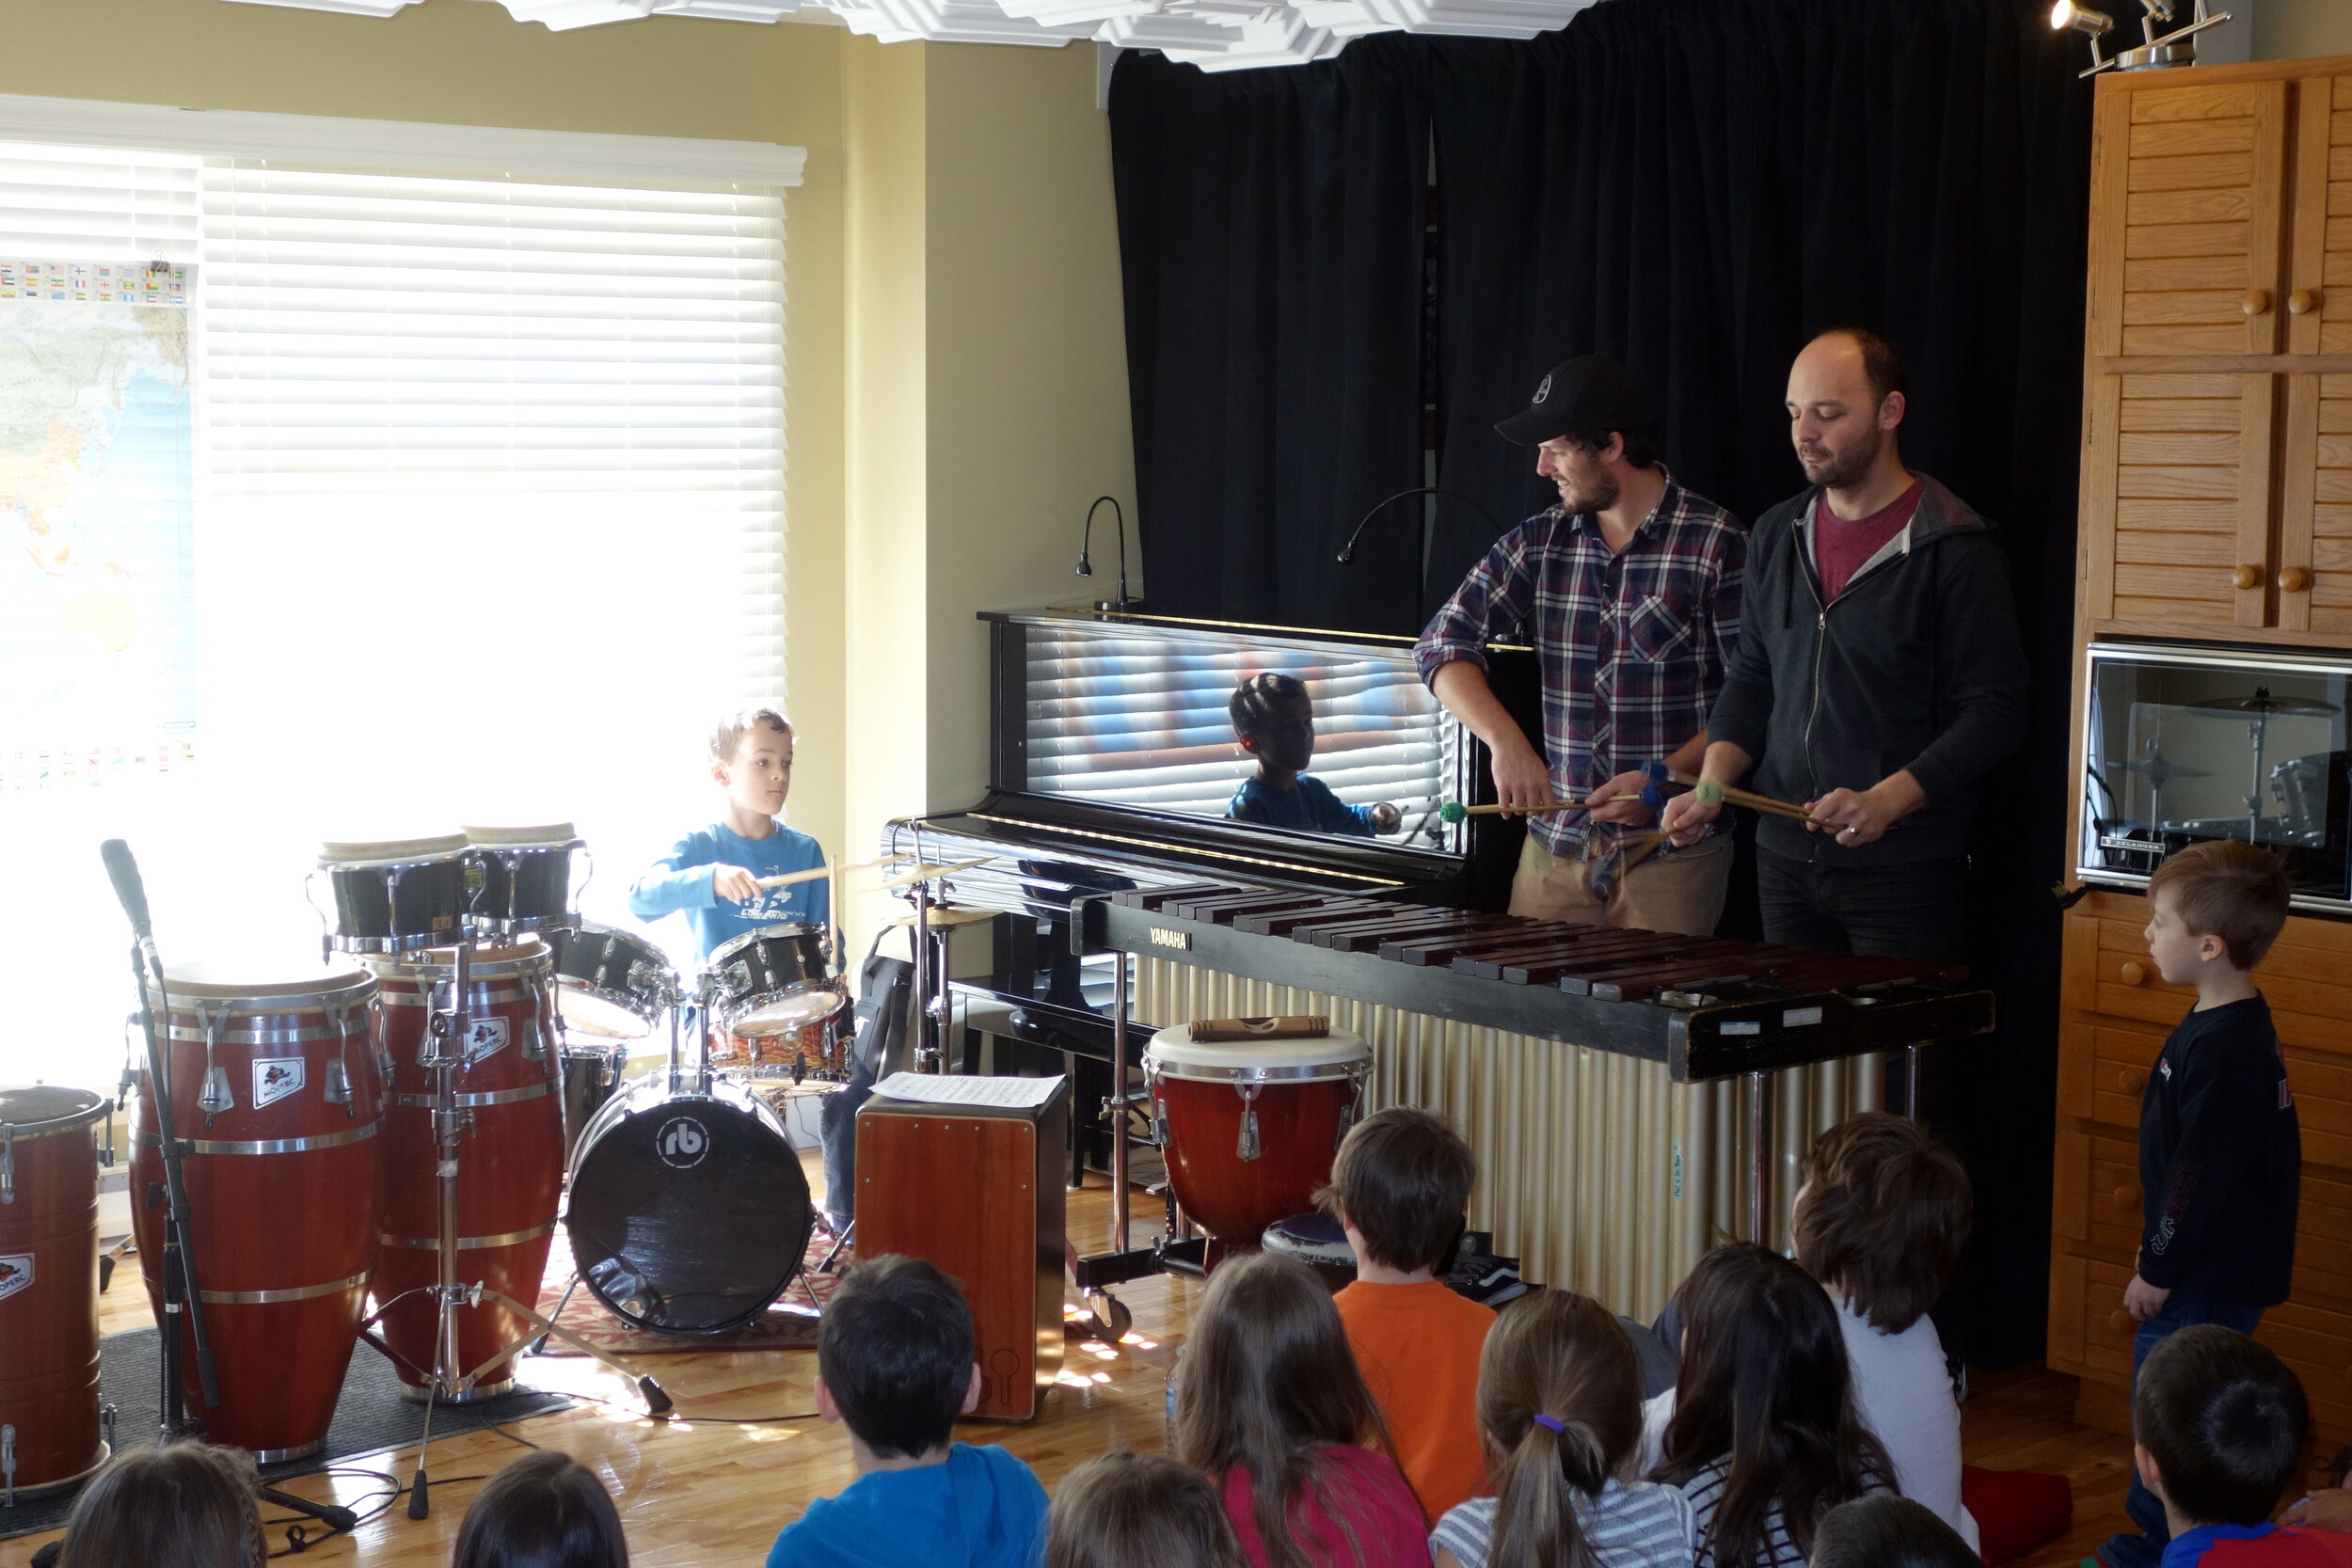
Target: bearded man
x: 1879, y: 676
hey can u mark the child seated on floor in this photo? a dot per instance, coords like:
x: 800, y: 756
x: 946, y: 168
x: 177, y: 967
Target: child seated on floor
x: 1401, y: 1185
x: 1274, y: 721
x: 1559, y: 1411
x: 1883, y: 1531
x: 1764, y: 1438
x: 894, y: 1365
x: 185, y: 1505
x: 1878, y: 1221
x: 545, y: 1510
x: 2218, y: 1425
x: 1126, y: 1509
x: 1271, y: 1407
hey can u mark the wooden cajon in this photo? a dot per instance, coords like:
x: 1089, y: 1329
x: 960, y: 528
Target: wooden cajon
x: 977, y: 1190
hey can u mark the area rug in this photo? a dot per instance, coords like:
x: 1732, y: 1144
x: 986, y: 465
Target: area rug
x: 789, y: 1323
x: 371, y: 1416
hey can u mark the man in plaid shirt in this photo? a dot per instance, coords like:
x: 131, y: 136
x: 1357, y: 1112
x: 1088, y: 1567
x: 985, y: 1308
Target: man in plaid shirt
x: 1631, y: 588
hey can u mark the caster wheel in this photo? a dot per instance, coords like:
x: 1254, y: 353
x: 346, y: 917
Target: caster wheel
x: 1110, y: 1318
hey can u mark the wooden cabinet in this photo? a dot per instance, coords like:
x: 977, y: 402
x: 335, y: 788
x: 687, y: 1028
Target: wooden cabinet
x: 2217, y: 409
x: 2116, y: 1012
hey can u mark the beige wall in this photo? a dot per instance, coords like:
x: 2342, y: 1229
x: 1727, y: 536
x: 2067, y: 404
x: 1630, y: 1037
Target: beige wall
x: 957, y: 382
x: 2298, y: 29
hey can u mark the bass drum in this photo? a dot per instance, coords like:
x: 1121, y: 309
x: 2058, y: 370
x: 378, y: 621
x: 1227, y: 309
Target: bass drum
x: 688, y: 1212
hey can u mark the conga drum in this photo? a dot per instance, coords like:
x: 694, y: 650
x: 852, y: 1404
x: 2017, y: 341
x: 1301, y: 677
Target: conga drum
x: 1249, y: 1128
x: 277, y: 1097
x: 510, y: 1164
x: 49, y: 1429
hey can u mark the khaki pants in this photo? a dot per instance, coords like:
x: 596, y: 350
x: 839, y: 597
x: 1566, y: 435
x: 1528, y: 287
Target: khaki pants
x: 1682, y: 892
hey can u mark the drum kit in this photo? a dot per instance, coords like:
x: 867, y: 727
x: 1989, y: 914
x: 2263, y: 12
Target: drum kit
x: 377, y: 1149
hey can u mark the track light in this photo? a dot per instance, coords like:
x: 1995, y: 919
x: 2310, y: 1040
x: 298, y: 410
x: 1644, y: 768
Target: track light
x: 2172, y: 49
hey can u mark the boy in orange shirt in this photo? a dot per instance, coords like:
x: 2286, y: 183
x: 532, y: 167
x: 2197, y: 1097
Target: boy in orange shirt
x: 1401, y: 1186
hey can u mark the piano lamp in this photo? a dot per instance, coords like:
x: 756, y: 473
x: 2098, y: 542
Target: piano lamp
x: 2156, y: 53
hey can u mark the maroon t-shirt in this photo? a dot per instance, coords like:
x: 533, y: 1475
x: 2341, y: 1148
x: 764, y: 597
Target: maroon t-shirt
x: 1840, y: 547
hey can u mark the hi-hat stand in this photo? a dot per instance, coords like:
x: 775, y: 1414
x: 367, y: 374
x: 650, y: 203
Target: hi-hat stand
x: 444, y: 1053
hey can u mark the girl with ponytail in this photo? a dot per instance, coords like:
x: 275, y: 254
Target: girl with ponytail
x: 1560, y: 1413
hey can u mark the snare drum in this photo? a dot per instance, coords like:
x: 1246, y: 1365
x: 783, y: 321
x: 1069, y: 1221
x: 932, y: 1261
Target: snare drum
x: 1249, y: 1128
x: 522, y: 879
x: 49, y: 1403
x: 815, y: 1049
x: 510, y: 1164
x: 277, y: 1092
x: 611, y: 983
x: 1320, y: 1242
x: 776, y: 980
x: 395, y: 896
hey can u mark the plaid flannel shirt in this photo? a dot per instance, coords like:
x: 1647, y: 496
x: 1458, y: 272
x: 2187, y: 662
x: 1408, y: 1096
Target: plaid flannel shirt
x: 1633, y: 645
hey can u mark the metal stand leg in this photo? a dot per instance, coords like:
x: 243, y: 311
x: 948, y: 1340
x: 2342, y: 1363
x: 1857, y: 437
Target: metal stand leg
x: 1117, y: 1104
x: 1760, y: 1158
x: 1906, y: 1084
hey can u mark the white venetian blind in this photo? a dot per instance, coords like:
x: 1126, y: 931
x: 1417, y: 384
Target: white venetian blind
x: 491, y: 528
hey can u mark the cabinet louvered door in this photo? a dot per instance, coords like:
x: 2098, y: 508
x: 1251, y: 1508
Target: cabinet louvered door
x: 2187, y: 199
x: 2178, y: 491
x: 2319, y: 276
x: 2314, y: 573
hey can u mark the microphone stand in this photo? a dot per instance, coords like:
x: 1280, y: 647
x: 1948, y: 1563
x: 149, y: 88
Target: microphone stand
x: 183, y: 1297
x: 1428, y: 523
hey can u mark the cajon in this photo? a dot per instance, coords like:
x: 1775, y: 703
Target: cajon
x: 977, y: 1190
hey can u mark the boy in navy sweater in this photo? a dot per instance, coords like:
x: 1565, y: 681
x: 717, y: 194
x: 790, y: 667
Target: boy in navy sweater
x: 1274, y: 720
x: 2220, y: 1151
x: 712, y: 874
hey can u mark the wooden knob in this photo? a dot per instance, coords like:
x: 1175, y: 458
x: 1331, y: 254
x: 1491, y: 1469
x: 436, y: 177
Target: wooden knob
x: 2302, y: 302
x: 2134, y: 973
x: 2256, y: 303
x: 2121, y: 1322
x: 2133, y: 1079
x: 2294, y: 580
x: 2124, y: 1199
x: 2245, y: 577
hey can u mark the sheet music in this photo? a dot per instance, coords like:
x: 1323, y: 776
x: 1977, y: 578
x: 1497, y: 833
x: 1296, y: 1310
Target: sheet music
x: 932, y: 1088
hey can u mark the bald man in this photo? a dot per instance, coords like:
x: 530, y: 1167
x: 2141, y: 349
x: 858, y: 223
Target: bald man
x: 1879, y: 675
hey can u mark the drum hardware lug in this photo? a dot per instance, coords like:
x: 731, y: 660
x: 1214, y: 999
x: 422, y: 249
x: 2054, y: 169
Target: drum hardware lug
x: 7, y: 1461
x: 7, y: 1171
x: 337, y: 1090
x: 106, y: 1422
x: 217, y: 1096
x: 1248, y: 1150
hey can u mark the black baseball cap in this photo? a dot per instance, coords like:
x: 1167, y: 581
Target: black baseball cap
x: 1594, y: 392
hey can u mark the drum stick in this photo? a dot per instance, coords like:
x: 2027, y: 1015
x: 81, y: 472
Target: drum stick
x: 1453, y: 811
x: 792, y: 877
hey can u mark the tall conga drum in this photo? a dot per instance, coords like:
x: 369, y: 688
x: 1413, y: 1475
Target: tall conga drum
x: 1249, y: 1128
x: 278, y: 1101
x: 49, y: 1435
x: 510, y: 1162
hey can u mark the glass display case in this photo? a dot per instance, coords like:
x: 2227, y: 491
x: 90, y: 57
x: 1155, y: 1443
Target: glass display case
x: 2186, y: 743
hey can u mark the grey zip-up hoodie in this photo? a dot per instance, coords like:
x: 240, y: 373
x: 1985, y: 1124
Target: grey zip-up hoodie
x: 1916, y: 665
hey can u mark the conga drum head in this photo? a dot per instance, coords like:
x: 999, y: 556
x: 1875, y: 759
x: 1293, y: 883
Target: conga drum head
x: 1320, y: 1242
x: 776, y: 980
x: 610, y: 982
x: 688, y: 1210
x: 37, y: 1110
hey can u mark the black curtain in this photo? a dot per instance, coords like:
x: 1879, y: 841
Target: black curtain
x: 1270, y: 229
x: 1697, y: 186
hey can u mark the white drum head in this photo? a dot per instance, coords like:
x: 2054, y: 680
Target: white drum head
x: 787, y: 1014
x: 390, y: 851
x: 592, y: 1014
x: 230, y: 980
x: 1174, y: 1049
x: 550, y: 835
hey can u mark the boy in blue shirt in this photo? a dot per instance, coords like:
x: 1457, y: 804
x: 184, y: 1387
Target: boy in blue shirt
x: 712, y: 874
x: 895, y: 1366
x: 1274, y: 720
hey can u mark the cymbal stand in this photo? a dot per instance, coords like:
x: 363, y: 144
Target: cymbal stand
x: 444, y: 1051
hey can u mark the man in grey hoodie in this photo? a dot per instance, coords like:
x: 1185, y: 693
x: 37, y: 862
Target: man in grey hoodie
x: 1879, y: 675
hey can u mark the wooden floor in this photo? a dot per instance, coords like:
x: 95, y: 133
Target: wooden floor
x: 715, y: 1482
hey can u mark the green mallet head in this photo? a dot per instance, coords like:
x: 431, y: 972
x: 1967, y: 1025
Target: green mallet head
x: 1453, y: 811
x: 1709, y: 791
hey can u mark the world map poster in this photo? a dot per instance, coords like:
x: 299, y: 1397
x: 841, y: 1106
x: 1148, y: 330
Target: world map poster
x: 98, y: 658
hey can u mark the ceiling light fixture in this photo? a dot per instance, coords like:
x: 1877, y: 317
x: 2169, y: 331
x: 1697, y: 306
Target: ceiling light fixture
x: 2156, y: 53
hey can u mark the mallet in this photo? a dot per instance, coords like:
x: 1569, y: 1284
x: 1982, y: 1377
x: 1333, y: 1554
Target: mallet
x: 1453, y: 811
x: 1713, y: 794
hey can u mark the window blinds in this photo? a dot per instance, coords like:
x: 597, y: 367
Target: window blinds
x: 492, y: 527
x: 1133, y: 720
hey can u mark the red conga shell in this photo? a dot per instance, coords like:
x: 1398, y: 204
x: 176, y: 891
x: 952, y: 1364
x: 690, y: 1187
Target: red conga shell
x: 510, y: 1164
x: 49, y: 1285
x: 1304, y: 1094
x: 283, y: 1177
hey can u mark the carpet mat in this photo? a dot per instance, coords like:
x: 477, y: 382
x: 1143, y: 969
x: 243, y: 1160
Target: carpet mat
x: 789, y: 1323
x: 371, y: 1416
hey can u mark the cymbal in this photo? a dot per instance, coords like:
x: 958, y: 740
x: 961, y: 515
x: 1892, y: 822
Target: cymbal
x: 2158, y: 771
x: 924, y: 873
x: 944, y: 916
x: 2262, y: 704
